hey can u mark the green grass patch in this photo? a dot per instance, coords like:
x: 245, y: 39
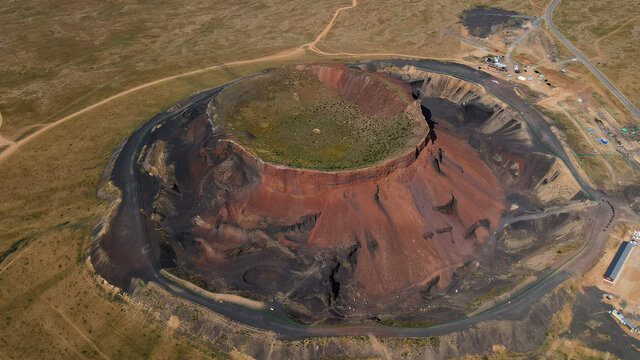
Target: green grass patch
x: 290, y: 117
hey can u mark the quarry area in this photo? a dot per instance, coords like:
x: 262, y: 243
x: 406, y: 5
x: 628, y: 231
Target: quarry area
x: 367, y: 181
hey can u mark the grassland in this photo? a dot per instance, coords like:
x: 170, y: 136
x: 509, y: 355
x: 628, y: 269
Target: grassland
x: 593, y: 166
x: 58, y: 57
x: 290, y: 117
x: 411, y: 27
x: 575, y: 138
x: 626, y: 174
x: 608, y: 31
x: 48, y: 207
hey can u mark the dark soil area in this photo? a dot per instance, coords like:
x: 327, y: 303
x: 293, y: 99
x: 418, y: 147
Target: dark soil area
x: 483, y: 20
x: 501, y: 150
x: 597, y: 329
x: 272, y: 258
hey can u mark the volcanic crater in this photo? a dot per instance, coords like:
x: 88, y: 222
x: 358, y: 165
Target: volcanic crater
x: 345, y: 194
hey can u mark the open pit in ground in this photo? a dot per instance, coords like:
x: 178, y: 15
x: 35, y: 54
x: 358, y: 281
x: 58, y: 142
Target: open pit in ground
x: 407, y: 239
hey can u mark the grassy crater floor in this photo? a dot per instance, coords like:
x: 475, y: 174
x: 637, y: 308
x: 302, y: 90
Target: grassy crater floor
x: 290, y: 117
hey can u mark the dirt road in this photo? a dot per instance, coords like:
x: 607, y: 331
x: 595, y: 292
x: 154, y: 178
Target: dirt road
x: 130, y: 247
x: 534, y: 25
x: 596, y: 44
x: 12, y: 147
x: 15, y: 146
x: 325, y: 31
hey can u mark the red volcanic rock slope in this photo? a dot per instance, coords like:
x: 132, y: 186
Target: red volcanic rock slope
x: 323, y: 243
x: 395, y: 210
x: 374, y: 93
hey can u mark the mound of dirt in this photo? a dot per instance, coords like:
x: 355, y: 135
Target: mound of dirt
x: 407, y: 238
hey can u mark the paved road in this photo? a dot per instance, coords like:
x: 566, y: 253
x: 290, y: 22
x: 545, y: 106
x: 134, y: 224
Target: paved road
x: 129, y: 252
x: 578, y: 54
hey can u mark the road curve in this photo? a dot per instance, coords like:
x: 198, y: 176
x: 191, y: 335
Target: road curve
x: 594, y: 70
x: 128, y: 249
x: 14, y: 146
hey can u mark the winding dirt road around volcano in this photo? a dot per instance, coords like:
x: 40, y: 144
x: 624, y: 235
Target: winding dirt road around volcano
x: 129, y: 235
x: 133, y: 244
x: 14, y: 146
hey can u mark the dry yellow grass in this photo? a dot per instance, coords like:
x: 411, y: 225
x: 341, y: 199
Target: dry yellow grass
x: 556, y: 345
x: 58, y: 57
x: 50, y: 307
x: 609, y: 27
x: 48, y: 197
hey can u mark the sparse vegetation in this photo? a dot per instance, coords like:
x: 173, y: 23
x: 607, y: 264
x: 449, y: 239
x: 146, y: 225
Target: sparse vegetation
x: 421, y: 24
x: 60, y: 57
x: 606, y: 31
x: 405, y: 322
x: 89, y: 50
x: 290, y: 117
x: 489, y: 295
x: 625, y: 173
x: 592, y: 165
x: 576, y: 140
x: 66, y: 172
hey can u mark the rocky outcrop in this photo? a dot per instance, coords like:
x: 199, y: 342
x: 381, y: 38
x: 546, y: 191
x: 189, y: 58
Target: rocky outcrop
x: 475, y: 105
x: 496, y: 130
